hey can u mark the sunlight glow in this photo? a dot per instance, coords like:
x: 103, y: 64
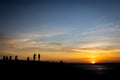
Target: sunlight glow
x: 93, y: 62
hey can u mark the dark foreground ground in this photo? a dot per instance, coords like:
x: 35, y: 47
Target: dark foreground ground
x: 21, y: 70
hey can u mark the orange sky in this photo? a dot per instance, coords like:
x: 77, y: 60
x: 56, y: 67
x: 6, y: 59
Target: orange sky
x: 57, y: 52
x: 72, y: 31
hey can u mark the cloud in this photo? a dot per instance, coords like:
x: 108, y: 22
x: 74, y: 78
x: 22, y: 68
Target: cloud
x: 41, y: 35
x: 102, y: 36
x: 104, y: 28
x: 26, y: 44
x: 95, y: 49
x: 9, y: 45
x: 5, y: 37
x: 44, y: 31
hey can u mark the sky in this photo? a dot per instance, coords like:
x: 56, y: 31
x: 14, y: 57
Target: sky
x: 69, y: 30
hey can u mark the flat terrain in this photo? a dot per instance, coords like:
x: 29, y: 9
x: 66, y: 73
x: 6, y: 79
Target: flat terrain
x: 50, y: 70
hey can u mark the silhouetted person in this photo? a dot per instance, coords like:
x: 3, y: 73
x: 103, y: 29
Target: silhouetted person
x: 16, y: 58
x: 61, y: 62
x: 38, y: 57
x: 10, y: 58
x: 3, y: 57
x: 28, y: 58
x: 34, y: 57
x: 6, y: 58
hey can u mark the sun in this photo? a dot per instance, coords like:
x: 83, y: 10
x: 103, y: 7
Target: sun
x: 93, y: 62
x: 93, y: 59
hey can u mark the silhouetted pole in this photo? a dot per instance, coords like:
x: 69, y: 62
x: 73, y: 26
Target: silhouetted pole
x: 34, y: 57
x: 38, y: 57
x: 16, y: 58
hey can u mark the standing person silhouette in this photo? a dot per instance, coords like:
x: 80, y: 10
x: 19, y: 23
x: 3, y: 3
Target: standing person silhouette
x: 38, y: 57
x: 28, y: 58
x: 4, y: 57
x: 16, y: 58
x: 34, y: 57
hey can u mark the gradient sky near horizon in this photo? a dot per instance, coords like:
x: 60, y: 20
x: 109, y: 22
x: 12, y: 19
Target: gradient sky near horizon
x: 68, y: 30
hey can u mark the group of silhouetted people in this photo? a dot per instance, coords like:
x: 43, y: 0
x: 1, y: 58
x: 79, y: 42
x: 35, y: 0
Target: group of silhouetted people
x: 6, y: 58
x: 9, y: 58
x: 34, y: 57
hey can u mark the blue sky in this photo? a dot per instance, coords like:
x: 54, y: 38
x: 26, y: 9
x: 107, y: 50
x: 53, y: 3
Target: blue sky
x: 65, y: 24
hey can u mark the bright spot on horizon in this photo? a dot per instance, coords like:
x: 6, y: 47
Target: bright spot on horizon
x: 93, y: 62
x: 93, y: 59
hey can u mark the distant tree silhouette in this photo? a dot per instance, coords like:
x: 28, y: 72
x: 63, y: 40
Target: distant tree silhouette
x: 34, y: 57
x: 28, y: 58
x: 16, y: 58
x: 10, y: 58
x: 38, y: 57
